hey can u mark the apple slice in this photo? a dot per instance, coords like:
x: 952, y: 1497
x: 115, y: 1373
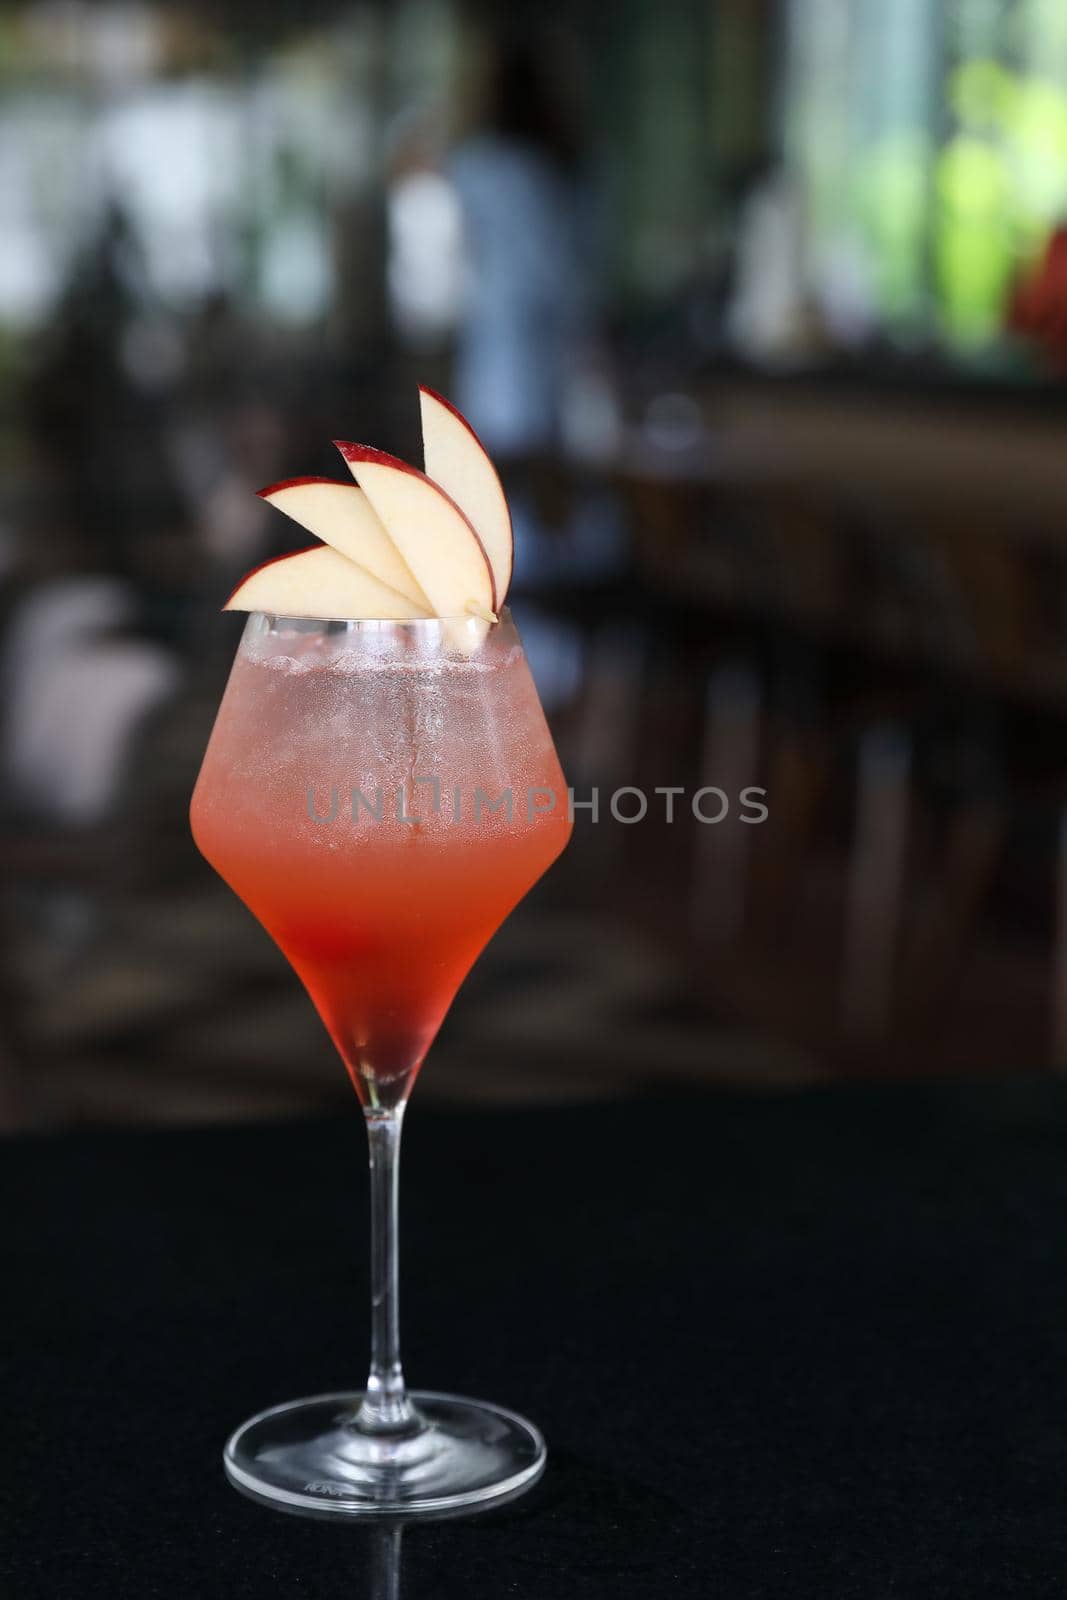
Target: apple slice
x: 428, y: 528
x: 455, y: 458
x: 319, y: 583
x: 340, y: 515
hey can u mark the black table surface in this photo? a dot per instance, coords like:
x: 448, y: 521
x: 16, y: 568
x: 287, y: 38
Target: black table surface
x: 780, y: 1345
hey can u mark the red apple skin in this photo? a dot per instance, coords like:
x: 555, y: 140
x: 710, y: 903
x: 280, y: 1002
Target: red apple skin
x: 382, y: 458
x: 271, y: 562
x: 296, y: 483
x: 424, y: 388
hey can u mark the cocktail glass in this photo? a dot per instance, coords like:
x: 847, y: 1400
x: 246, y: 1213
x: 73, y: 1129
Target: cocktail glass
x: 381, y: 795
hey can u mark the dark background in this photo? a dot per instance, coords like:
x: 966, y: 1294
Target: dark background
x: 761, y: 307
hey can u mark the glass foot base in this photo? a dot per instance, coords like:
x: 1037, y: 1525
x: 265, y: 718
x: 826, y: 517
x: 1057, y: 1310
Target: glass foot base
x: 308, y: 1456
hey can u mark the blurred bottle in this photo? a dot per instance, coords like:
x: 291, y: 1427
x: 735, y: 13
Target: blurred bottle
x: 1038, y: 309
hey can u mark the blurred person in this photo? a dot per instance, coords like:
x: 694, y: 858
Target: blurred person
x: 96, y: 432
x: 88, y: 649
x: 526, y: 309
x: 527, y: 330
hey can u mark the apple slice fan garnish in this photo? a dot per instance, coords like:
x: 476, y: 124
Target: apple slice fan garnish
x: 398, y: 543
x: 340, y: 515
x: 432, y: 534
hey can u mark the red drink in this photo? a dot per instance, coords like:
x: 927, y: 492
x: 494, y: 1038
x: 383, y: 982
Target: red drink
x: 381, y: 890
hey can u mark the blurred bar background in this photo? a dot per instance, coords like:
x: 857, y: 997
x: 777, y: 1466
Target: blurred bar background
x: 761, y: 306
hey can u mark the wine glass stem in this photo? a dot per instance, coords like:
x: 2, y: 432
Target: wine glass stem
x: 385, y: 1407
